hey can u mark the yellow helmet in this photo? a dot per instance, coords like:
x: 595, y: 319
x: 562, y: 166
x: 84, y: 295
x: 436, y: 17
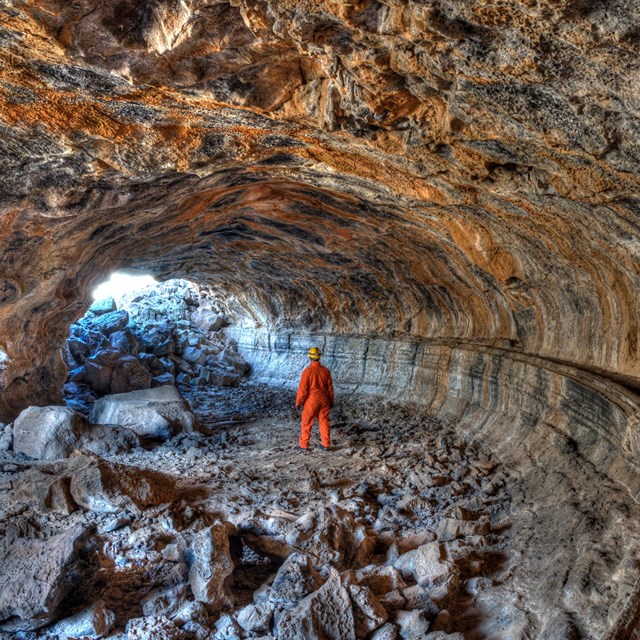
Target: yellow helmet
x: 314, y: 353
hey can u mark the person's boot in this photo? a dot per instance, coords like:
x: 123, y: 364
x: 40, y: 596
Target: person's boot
x: 325, y: 448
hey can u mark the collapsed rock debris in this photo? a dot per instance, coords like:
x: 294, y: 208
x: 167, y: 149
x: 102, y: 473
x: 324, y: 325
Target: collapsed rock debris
x: 166, y: 333
x: 401, y: 530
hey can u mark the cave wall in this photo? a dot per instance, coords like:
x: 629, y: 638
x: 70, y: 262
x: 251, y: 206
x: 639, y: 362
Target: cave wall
x: 511, y: 402
x: 444, y: 193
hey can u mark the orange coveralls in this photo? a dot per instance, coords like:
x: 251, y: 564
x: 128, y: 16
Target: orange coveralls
x: 315, y: 392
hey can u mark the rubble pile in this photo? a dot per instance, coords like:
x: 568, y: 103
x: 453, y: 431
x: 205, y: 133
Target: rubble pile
x: 234, y: 535
x: 168, y: 333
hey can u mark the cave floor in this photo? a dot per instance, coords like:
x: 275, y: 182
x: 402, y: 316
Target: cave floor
x: 406, y: 477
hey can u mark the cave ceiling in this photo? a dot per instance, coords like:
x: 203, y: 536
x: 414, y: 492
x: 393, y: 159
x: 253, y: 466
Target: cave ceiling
x: 451, y: 170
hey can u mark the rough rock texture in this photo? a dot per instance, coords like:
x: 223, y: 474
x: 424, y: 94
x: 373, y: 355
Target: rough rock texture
x: 109, y: 487
x: 326, y: 613
x: 295, y: 579
x: 36, y: 576
x: 93, y: 622
x: 142, y: 341
x: 50, y: 433
x: 425, y: 564
x: 212, y: 567
x: 154, y: 413
x: 545, y: 564
x: 47, y: 433
x: 446, y: 191
x: 467, y: 170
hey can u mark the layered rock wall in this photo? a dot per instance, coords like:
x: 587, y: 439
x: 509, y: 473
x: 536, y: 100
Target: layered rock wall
x: 516, y: 403
x: 445, y: 191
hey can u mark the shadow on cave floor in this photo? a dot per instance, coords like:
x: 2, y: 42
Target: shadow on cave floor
x: 395, y: 469
x: 400, y: 492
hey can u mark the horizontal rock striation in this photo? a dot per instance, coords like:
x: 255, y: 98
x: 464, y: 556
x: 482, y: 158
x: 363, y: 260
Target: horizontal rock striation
x: 483, y: 389
x: 551, y: 424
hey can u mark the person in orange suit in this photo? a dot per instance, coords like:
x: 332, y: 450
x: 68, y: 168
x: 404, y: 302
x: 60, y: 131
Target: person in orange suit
x: 315, y: 392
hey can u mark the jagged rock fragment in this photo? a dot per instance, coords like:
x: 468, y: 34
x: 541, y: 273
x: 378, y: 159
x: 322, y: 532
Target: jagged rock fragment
x: 37, y: 575
x: 368, y: 613
x: 330, y: 535
x: 110, y: 487
x: 153, y: 628
x: 426, y: 564
x: 413, y: 624
x: 211, y: 572
x: 387, y: 631
x: 255, y: 618
x: 325, y: 613
x: 295, y: 579
x: 156, y: 413
x: 95, y: 621
x: 51, y: 433
x: 47, y: 433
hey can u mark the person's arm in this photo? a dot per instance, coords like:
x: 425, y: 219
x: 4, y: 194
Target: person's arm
x: 330, y: 389
x: 303, y: 389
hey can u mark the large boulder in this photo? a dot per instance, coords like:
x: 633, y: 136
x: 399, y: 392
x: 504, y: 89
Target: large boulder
x: 325, y: 613
x: 105, y: 305
x: 207, y: 320
x: 211, y: 572
x: 330, y: 535
x: 109, y: 323
x: 427, y: 565
x: 153, y: 628
x: 129, y: 375
x: 295, y: 580
x: 93, y: 622
x: 368, y: 613
x: 37, y: 575
x: 52, y: 433
x: 124, y: 341
x: 109, y: 487
x: 158, y: 413
x: 47, y: 433
x: 46, y: 490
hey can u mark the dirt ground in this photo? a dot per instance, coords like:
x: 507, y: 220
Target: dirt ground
x: 403, y: 477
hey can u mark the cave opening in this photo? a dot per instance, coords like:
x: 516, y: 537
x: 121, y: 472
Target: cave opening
x: 143, y: 334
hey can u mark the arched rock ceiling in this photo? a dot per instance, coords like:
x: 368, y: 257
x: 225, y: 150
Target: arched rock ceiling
x: 456, y: 170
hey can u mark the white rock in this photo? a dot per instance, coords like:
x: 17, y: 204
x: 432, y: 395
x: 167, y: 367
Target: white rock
x: 387, y: 631
x: 255, y: 618
x: 153, y: 628
x: 425, y: 564
x: 47, y: 433
x: 157, y: 413
x: 207, y: 320
x: 413, y: 624
x: 212, y: 568
x: 94, y: 622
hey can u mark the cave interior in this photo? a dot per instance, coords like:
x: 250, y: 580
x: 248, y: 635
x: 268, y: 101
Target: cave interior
x: 441, y: 195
